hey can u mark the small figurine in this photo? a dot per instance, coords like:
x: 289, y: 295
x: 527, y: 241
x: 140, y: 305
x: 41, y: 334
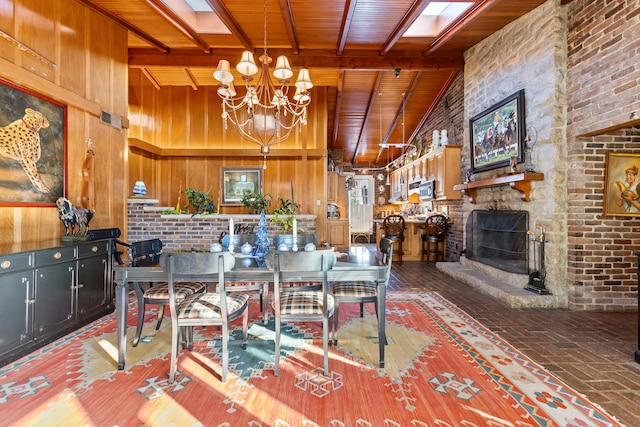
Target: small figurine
x: 75, y: 220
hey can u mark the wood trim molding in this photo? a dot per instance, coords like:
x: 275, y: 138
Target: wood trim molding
x: 520, y: 182
x: 222, y: 152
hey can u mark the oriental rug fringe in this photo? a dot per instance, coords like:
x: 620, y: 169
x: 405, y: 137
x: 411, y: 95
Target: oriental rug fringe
x: 443, y: 368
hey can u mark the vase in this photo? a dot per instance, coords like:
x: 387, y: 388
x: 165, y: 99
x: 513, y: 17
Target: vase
x: 139, y: 189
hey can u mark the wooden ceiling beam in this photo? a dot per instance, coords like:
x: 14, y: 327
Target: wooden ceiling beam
x: 474, y: 12
x: 336, y: 115
x: 407, y: 20
x: 350, y: 60
x: 179, y: 23
x: 347, y: 19
x: 367, y: 114
x: 228, y: 20
x: 290, y: 25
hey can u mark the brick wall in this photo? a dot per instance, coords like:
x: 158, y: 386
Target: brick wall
x: 184, y: 231
x: 602, y: 90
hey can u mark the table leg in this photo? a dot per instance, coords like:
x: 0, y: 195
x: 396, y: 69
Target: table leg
x: 382, y: 315
x: 121, y: 322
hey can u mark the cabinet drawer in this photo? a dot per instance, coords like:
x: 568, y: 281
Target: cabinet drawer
x: 55, y: 256
x: 16, y: 262
x: 93, y: 249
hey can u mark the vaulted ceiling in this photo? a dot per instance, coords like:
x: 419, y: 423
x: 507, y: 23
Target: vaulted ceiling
x: 354, y: 47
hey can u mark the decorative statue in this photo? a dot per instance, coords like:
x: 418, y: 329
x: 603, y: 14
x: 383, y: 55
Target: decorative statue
x: 75, y: 220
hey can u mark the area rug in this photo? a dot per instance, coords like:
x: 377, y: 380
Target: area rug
x: 443, y: 368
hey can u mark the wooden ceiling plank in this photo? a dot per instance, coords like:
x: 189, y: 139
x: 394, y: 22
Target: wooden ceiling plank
x: 138, y: 32
x: 223, y: 13
x: 179, y: 23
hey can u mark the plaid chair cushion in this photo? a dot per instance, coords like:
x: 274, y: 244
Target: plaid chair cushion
x: 304, y: 302
x: 207, y: 305
x: 354, y: 289
x: 183, y: 290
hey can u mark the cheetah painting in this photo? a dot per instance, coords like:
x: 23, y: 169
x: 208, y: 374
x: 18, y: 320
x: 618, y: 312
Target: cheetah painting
x: 20, y: 141
x: 33, y: 147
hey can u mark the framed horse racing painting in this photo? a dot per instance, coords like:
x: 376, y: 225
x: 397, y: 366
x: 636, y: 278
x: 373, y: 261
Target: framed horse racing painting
x: 33, y: 147
x: 497, y: 134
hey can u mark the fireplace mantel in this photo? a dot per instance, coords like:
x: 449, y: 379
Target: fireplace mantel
x: 519, y: 181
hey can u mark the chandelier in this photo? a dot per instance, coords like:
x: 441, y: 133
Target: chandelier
x: 264, y: 114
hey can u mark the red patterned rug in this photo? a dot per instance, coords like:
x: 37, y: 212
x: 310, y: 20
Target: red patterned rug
x: 443, y: 369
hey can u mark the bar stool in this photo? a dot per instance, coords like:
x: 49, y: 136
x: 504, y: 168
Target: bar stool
x: 434, y: 238
x: 393, y: 229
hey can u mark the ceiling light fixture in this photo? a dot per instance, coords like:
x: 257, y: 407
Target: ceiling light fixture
x: 264, y: 114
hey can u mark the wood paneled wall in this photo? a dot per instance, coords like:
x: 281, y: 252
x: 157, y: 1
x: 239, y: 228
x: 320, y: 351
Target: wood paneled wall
x: 177, y: 141
x: 90, y: 52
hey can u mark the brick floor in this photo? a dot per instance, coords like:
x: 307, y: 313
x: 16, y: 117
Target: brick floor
x: 592, y: 353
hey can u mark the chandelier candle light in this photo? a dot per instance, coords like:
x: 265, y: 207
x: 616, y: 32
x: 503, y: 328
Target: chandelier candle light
x: 264, y: 114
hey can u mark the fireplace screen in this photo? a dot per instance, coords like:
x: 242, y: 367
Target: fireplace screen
x: 499, y: 239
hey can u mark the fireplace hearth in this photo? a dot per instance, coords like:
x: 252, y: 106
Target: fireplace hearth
x: 498, y: 238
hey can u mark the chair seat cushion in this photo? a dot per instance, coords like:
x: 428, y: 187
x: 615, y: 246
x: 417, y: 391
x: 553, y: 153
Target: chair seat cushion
x: 161, y: 291
x: 207, y: 305
x: 354, y: 289
x: 304, y: 303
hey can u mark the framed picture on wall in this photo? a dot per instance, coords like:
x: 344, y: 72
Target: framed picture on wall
x: 621, y: 184
x: 497, y: 134
x: 238, y: 181
x: 33, y: 147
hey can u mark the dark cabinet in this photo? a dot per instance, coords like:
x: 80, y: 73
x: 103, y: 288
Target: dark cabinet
x: 49, y: 292
x: 16, y: 304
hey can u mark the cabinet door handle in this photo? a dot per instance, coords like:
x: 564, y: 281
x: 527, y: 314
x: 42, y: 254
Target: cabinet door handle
x: 5, y: 264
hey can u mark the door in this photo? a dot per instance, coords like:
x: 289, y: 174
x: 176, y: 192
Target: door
x: 16, y: 310
x: 92, y: 279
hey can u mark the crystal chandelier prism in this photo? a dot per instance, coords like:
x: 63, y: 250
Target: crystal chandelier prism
x: 264, y: 114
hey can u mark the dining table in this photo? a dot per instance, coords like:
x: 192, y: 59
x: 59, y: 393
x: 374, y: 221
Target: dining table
x: 353, y: 263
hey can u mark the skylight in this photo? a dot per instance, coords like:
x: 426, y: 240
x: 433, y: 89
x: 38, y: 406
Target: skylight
x: 436, y: 17
x: 199, y: 5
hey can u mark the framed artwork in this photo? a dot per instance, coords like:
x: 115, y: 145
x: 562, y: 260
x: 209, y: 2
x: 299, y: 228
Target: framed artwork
x: 497, y: 134
x: 33, y: 147
x: 238, y: 181
x: 621, y: 184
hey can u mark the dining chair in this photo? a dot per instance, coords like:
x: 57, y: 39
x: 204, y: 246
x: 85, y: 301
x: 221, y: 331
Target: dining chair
x: 247, y: 286
x: 216, y: 308
x: 393, y: 228
x: 301, y: 294
x: 145, y: 253
x: 362, y: 291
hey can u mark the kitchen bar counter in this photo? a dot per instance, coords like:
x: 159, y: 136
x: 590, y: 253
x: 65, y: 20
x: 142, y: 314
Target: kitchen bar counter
x: 412, y: 245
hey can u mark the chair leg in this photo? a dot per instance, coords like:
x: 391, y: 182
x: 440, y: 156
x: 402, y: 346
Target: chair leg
x: 277, y: 352
x: 361, y: 309
x: 336, y: 313
x: 141, y: 310
x: 175, y: 335
x: 225, y: 350
x: 265, y: 305
x: 160, y: 316
x: 325, y: 344
x: 245, y: 323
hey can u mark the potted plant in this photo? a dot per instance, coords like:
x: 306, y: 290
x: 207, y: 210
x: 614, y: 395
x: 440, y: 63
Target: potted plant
x: 256, y: 202
x: 284, y: 214
x: 201, y: 202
